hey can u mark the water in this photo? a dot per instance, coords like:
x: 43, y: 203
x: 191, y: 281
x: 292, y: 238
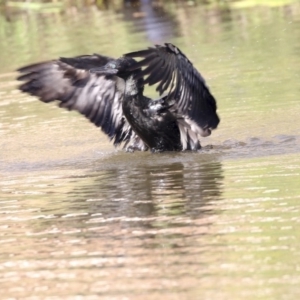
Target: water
x: 81, y: 220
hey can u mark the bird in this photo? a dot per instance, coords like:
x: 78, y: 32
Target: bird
x: 110, y: 93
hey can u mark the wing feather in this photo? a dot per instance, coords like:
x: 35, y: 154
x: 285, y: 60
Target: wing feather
x: 168, y: 67
x: 69, y: 81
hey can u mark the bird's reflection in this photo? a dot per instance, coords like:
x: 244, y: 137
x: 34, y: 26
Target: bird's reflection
x: 145, y: 190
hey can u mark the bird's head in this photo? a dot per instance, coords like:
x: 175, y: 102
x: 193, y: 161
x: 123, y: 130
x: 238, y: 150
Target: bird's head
x: 120, y: 67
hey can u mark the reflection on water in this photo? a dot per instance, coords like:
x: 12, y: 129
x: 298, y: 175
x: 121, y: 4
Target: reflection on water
x: 127, y: 218
x: 138, y: 192
x: 156, y: 231
x: 142, y: 196
x: 81, y: 220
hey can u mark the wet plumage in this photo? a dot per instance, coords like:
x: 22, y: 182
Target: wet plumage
x: 109, y: 92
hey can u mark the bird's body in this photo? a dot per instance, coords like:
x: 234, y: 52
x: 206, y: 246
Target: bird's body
x: 109, y: 92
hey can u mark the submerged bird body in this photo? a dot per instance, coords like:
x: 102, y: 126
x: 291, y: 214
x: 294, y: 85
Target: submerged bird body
x: 109, y: 92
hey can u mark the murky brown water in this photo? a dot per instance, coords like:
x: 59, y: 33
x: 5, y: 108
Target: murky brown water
x: 80, y: 220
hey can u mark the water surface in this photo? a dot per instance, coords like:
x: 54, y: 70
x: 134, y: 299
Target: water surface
x: 81, y: 219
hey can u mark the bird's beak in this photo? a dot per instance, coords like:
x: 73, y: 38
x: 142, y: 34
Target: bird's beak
x: 206, y: 132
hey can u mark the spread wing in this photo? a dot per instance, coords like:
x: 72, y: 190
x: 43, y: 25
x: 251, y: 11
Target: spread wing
x: 69, y: 81
x: 168, y: 67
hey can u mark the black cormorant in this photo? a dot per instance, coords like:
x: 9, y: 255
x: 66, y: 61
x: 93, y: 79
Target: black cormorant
x: 109, y: 92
